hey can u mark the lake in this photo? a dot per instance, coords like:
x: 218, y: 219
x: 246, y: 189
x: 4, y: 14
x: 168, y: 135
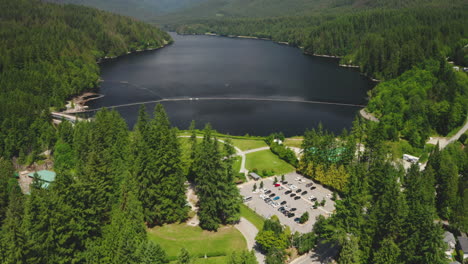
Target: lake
x: 197, y: 68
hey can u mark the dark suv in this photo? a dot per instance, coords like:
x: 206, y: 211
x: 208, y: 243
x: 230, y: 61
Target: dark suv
x: 288, y: 192
x: 299, y: 190
x: 304, y: 193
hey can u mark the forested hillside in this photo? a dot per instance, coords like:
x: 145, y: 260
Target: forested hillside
x: 140, y: 9
x: 48, y: 53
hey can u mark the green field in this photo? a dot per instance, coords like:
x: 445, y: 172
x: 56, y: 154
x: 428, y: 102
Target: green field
x: 252, y: 216
x: 293, y: 142
x: 266, y: 160
x: 197, y: 241
x: 213, y: 260
x: 247, y: 144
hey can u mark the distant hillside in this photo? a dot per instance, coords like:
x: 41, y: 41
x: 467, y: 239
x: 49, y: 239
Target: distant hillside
x: 141, y: 9
x: 48, y: 53
x: 210, y: 9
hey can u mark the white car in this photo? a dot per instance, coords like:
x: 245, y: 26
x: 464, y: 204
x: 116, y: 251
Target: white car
x: 293, y: 187
x: 311, y: 197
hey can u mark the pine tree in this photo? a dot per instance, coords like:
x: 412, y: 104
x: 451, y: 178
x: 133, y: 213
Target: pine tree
x: 448, y: 186
x: 350, y: 252
x: 12, y: 237
x: 167, y: 186
x: 150, y: 253
x: 184, y: 257
x: 219, y: 198
x: 123, y: 237
x: 388, y: 253
x: 6, y: 178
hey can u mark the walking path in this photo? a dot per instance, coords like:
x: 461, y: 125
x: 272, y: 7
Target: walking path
x: 368, y: 116
x: 192, y: 199
x: 239, y: 152
x: 249, y: 231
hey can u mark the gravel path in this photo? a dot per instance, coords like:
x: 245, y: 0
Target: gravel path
x: 368, y: 116
x: 249, y: 231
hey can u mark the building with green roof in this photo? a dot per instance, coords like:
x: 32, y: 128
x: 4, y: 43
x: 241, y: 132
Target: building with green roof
x: 45, y: 176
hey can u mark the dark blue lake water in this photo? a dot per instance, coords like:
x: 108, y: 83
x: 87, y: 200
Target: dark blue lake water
x: 218, y: 67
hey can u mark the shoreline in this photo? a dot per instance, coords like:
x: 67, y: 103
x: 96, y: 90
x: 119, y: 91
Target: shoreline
x: 103, y: 59
x: 77, y: 103
x: 287, y: 43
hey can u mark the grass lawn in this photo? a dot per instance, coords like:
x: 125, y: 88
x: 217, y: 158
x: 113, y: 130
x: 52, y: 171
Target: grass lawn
x: 252, y: 216
x: 197, y: 241
x: 293, y: 142
x: 266, y: 160
x: 213, y: 260
x: 237, y: 164
x: 247, y: 144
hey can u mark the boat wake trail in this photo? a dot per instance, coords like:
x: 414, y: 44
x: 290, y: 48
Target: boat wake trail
x: 229, y: 99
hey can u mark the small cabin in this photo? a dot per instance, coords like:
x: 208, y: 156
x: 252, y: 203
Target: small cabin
x: 463, y: 241
x: 46, y: 177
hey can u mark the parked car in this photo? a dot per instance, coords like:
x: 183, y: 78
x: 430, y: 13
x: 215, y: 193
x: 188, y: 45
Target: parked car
x: 285, y: 212
x: 304, y: 193
x: 293, y: 187
x: 288, y: 192
x: 267, y: 200
x: 283, y: 202
x: 313, y: 199
x: 276, y: 198
x: 277, y: 185
x: 281, y: 209
x: 247, y: 199
x: 281, y: 188
x: 293, y: 209
x: 297, y: 219
x: 299, y: 190
x: 297, y: 198
x: 291, y: 215
x: 285, y: 182
x: 267, y: 192
x: 272, y: 195
x: 308, y: 185
x: 313, y: 188
x: 293, y: 194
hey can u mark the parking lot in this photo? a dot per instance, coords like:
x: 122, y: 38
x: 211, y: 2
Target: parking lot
x: 293, y: 182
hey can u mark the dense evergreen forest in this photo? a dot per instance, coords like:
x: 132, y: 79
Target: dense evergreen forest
x: 48, y: 53
x: 113, y: 183
x: 387, y: 214
x: 140, y: 9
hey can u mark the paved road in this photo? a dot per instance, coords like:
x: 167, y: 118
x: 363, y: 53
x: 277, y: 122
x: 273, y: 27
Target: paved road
x: 249, y: 231
x: 323, y: 254
x: 443, y: 141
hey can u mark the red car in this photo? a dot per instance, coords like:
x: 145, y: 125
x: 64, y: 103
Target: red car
x: 277, y: 184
